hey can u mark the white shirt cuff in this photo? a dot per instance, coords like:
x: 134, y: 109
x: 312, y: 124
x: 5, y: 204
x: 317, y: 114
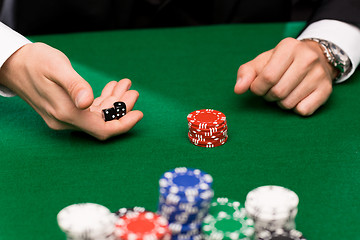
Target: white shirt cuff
x: 10, y: 42
x: 344, y: 35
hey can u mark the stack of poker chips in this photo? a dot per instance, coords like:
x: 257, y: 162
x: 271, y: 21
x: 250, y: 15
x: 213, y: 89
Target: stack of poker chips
x: 272, y: 208
x: 139, y: 224
x: 185, y: 197
x: 227, y: 220
x: 281, y: 234
x: 207, y: 128
x: 86, y: 221
x: 116, y: 112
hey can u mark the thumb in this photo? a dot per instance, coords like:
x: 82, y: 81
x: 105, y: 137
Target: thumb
x: 249, y: 71
x: 78, y: 89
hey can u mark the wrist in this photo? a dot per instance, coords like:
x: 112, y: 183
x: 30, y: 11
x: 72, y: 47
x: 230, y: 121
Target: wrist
x: 335, y: 56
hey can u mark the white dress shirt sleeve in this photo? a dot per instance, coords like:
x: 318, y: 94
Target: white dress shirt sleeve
x: 344, y: 35
x: 10, y: 42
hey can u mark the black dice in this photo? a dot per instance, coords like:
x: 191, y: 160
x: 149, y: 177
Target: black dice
x: 120, y: 109
x: 109, y: 114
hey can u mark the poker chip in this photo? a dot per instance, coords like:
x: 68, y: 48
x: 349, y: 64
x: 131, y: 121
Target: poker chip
x: 205, y: 141
x: 209, y: 136
x: 141, y: 225
x: 188, y: 237
x: 207, y: 128
x: 185, y: 195
x: 227, y: 220
x: 206, y: 118
x: 272, y: 207
x: 185, y: 182
x: 271, y: 202
x: 86, y: 221
x: 210, y: 144
x: 281, y: 234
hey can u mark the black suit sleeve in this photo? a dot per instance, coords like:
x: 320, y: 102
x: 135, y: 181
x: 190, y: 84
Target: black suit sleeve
x: 342, y: 10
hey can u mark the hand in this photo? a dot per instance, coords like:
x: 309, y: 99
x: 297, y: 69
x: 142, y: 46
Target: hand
x: 45, y: 79
x: 295, y: 74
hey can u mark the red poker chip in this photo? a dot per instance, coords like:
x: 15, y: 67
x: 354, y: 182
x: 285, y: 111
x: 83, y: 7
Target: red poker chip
x: 141, y: 225
x: 206, y: 141
x: 211, y: 145
x: 206, y: 118
x: 208, y: 136
x: 210, y: 129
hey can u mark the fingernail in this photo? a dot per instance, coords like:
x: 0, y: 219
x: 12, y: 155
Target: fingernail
x: 80, y: 97
x: 238, y: 80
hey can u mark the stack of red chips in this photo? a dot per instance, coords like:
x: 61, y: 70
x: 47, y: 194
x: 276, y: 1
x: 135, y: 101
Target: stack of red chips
x: 207, y: 128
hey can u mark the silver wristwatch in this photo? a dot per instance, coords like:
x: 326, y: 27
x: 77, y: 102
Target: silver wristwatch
x: 335, y: 56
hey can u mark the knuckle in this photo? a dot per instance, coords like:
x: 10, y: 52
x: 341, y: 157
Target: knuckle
x: 278, y: 93
x: 287, y: 104
x: 269, y: 77
x: 290, y: 42
x: 256, y: 90
x: 243, y: 68
x: 312, y: 57
x: 319, y: 72
x: 72, y: 86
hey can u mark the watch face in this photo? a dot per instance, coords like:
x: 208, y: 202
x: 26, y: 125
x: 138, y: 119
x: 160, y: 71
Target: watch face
x: 339, y: 54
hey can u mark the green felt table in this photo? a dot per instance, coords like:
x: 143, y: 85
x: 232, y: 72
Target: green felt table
x: 177, y: 71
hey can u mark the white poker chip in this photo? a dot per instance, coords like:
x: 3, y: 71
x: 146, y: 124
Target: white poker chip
x: 86, y: 221
x: 271, y: 203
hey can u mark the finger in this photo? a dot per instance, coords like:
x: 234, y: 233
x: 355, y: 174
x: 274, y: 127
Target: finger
x: 249, y: 71
x: 314, y: 79
x: 121, y: 87
x: 106, y: 92
x: 311, y: 103
x: 275, y: 68
x: 246, y: 75
x: 288, y: 82
x: 304, y: 89
x: 130, y: 98
x: 78, y: 89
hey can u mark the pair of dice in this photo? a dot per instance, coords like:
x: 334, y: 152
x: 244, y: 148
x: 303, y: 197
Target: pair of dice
x: 118, y: 111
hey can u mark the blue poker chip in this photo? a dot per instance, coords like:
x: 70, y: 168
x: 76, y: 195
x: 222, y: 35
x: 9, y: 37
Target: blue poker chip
x: 198, y: 236
x: 186, y: 206
x: 184, y: 181
x: 192, y: 228
x: 184, y: 218
x: 175, y: 199
x: 181, y: 217
x: 169, y: 209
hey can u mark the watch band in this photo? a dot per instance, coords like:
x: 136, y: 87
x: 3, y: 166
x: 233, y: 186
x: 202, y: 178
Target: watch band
x: 335, y: 56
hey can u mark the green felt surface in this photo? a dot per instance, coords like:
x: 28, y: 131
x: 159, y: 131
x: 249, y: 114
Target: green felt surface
x: 176, y: 72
